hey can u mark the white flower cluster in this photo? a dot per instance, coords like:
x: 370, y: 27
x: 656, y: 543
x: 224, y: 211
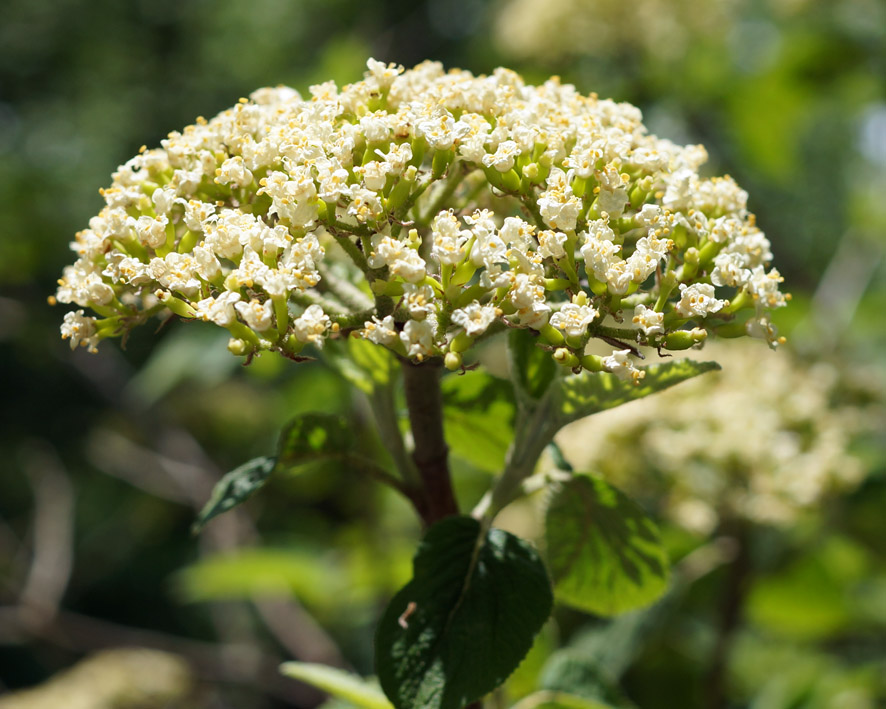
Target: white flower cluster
x: 422, y: 210
x: 759, y: 441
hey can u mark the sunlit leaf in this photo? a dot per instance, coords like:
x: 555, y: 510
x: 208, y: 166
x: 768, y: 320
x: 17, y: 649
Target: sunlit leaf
x: 605, y: 554
x: 362, y: 363
x: 549, y: 699
x: 478, y: 416
x: 351, y: 688
x: 248, y: 573
x: 532, y: 368
x: 465, y: 621
x: 587, y: 393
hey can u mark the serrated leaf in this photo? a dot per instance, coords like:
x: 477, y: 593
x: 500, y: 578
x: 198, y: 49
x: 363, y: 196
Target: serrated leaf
x: 465, y: 621
x: 532, y: 368
x: 340, y: 684
x: 524, y: 680
x: 235, y: 487
x: 478, y: 412
x: 587, y: 393
x: 605, y: 554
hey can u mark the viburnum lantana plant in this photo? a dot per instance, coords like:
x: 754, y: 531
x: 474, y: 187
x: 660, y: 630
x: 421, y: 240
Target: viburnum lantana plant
x: 390, y: 226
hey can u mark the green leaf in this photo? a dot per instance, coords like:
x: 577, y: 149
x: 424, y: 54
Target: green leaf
x: 478, y: 414
x: 587, y: 393
x: 475, y: 602
x: 362, y: 363
x: 532, y: 368
x: 246, y: 573
x: 343, y: 685
x: 524, y: 680
x: 314, y: 437
x: 550, y: 699
x: 607, y: 649
x: 234, y: 488
x: 573, y: 672
x: 605, y: 554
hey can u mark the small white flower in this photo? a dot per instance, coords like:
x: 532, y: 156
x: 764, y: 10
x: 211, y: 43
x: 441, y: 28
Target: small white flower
x: 449, y: 240
x: 418, y: 338
x: 550, y: 244
x: 503, y: 158
x: 80, y: 329
x: 381, y: 332
x: 620, y: 364
x: 729, y: 270
x: 234, y: 172
x: 697, y: 301
x: 474, y: 318
x: 573, y: 319
x: 151, y: 232
x: 259, y: 316
x: 218, y: 310
x: 649, y: 321
x: 311, y: 326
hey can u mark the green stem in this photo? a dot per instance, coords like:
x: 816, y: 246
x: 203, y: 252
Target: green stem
x: 532, y: 434
x: 621, y: 333
x: 351, y: 249
x: 452, y: 182
x: 382, y: 402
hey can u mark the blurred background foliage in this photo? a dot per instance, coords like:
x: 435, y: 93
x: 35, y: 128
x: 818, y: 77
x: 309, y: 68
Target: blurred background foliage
x: 106, y: 457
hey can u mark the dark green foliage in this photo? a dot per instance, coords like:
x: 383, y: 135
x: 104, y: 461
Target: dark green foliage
x: 465, y: 621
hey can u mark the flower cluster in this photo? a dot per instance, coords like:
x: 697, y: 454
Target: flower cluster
x: 423, y: 210
x: 755, y: 443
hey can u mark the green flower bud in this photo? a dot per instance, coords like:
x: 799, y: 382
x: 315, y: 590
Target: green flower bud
x: 566, y: 358
x: 461, y: 342
x: 452, y: 361
x: 684, y: 339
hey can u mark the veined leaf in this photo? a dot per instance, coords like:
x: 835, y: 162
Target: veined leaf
x: 587, y: 393
x: 479, y: 418
x: 532, y: 368
x: 343, y: 685
x: 234, y: 488
x: 362, y: 363
x: 465, y: 621
x: 605, y: 554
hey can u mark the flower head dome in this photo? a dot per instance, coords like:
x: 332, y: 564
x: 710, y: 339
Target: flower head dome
x: 422, y: 210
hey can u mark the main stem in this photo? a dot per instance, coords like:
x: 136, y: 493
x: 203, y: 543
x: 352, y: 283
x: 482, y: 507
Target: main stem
x: 430, y: 454
x: 424, y: 400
